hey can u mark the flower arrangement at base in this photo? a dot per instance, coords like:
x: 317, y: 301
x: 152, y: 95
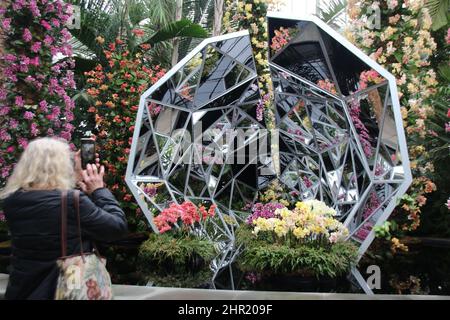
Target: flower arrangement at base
x: 304, y: 241
x: 180, y: 255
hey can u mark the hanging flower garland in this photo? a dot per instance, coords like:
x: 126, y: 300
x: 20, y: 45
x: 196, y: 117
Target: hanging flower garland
x: 251, y: 15
x: 403, y: 45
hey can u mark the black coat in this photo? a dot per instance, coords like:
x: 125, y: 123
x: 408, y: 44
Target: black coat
x: 34, y: 219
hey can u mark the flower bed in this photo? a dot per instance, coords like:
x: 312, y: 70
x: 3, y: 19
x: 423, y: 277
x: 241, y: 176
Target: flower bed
x: 180, y: 255
x: 305, y: 241
x: 166, y: 260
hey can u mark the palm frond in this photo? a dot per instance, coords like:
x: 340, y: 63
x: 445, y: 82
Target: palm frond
x: 81, y: 50
x: 439, y: 10
x: 160, y: 12
x: 180, y: 28
x: 332, y: 11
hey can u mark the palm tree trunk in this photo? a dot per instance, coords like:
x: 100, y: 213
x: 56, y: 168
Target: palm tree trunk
x: 218, y: 16
x: 204, y: 16
x: 176, y: 41
x: 123, y: 21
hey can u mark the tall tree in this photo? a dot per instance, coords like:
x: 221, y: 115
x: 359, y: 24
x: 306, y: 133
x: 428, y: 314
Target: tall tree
x: 218, y: 16
x: 176, y: 41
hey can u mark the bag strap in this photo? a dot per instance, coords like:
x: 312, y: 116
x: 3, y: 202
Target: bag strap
x: 76, y: 197
x: 64, y: 207
x: 64, y: 223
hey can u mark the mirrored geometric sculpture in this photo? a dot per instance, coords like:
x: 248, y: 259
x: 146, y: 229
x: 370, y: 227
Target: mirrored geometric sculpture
x: 185, y: 146
x: 340, y: 133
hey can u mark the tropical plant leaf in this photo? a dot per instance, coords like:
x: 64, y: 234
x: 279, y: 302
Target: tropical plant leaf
x: 180, y: 28
x: 331, y: 12
x: 80, y: 49
x: 438, y: 10
x: 444, y: 71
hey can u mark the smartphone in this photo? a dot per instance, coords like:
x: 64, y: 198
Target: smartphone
x: 87, y: 152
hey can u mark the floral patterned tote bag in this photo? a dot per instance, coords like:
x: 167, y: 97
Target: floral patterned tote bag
x: 82, y: 276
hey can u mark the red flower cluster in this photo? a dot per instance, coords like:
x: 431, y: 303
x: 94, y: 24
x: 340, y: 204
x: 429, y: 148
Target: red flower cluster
x: 187, y: 212
x: 115, y: 89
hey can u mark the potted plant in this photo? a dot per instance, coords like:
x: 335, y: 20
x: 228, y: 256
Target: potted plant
x: 298, y: 249
x: 181, y: 254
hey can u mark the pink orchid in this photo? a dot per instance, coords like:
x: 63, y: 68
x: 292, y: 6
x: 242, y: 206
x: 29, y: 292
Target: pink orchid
x: 9, y: 57
x: 28, y: 115
x: 4, y: 110
x: 34, y: 9
x: 6, y: 24
x: 23, y: 142
x: 55, y: 22
x: 46, y: 25
x: 48, y: 40
x: 43, y: 106
x: 27, y: 36
x: 36, y: 47
x: 34, y: 129
x: 13, y: 123
x: 19, y: 101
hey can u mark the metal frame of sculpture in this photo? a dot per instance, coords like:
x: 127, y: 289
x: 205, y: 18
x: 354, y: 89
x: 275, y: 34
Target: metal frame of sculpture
x: 344, y: 146
x: 353, y: 148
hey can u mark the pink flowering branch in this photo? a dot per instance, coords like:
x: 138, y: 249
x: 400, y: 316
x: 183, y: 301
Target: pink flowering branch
x: 33, y: 88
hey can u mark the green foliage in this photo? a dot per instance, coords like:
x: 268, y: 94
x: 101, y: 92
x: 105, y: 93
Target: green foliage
x: 384, y: 231
x: 181, y: 28
x: 271, y: 258
x: 439, y: 12
x: 168, y: 252
x: 98, y: 18
x: 440, y: 142
x: 115, y: 18
x: 436, y: 217
x: 330, y: 12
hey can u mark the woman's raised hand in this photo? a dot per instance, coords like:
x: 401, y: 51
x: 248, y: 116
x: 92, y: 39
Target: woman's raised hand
x: 92, y: 178
x: 79, y: 169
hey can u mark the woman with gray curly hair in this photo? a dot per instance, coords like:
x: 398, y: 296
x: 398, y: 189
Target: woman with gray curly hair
x: 32, y: 206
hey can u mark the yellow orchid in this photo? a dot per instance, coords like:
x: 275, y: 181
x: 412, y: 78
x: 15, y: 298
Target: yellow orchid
x: 301, y: 233
x: 302, y: 206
